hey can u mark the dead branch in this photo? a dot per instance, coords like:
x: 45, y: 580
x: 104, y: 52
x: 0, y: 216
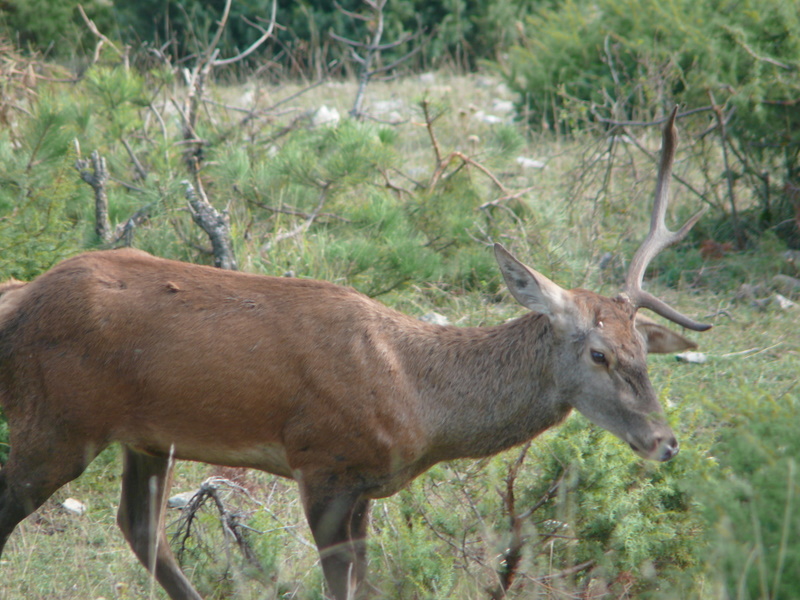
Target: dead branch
x: 723, y: 138
x: 660, y: 121
x: 506, y: 198
x: 265, y: 35
x: 102, y: 39
x: 97, y: 179
x: 216, y: 225
x: 232, y: 528
x: 140, y: 171
x: 297, y: 213
x: 197, y: 76
x: 124, y: 232
x: 512, y: 555
x: 429, y: 121
x: 468, y: 161
x: 371, y: 49
x: 737, y: 37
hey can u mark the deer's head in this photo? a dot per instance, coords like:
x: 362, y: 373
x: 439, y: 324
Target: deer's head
x: 601, y: 361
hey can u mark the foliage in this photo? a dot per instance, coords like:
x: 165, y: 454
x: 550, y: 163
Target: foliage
x: 460, y: 31
x: 50, y: 26
x: 620, y: 60
x: 638, y: 56
x: 754, y: 508
x: 37, y: 216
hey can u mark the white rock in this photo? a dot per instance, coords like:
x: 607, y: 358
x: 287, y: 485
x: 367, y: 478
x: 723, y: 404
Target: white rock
x: 783, y: 302
x: 530, y: 163
x: 180, y: 500
x: 73, y: 506
x: 326, y: 117
x: 487, y: 118
x: 428, y: 78
x: 502, y: 106
x: 247, y: 99
x: 502, y: 89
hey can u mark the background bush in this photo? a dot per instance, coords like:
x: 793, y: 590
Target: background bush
x: 615, y: 61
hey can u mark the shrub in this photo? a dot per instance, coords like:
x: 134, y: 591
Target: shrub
x: 753, y: 511
x: 617, y: 60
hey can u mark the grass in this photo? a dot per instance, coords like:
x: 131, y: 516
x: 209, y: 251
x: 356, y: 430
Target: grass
x: 638, y: 529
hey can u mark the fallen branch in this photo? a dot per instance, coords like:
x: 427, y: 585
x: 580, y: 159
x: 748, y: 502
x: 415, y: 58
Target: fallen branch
x: 232, y: 529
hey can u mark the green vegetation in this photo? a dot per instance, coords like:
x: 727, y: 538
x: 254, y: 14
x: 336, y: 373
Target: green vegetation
x: 610, y: 63
x: 405, y: 212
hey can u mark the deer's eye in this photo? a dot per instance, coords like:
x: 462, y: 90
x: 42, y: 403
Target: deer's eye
x: 599, y: 358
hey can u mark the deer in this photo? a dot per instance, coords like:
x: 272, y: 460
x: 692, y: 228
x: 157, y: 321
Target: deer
x: 310, y: 381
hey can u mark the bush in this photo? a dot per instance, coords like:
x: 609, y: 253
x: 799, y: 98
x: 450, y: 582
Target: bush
x: 613, y: 61
x: 754, y: 510
x: 50, y: 26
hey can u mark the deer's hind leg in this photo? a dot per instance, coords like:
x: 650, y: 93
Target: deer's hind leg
x: 145, y: 483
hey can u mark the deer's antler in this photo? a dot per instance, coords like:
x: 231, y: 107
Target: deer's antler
x: 660, y: 237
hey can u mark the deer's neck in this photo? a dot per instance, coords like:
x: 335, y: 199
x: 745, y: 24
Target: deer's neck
x: 486, y: 389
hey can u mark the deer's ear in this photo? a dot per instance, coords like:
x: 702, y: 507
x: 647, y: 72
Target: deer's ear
x: 659, y: 339
x: 532, y: 289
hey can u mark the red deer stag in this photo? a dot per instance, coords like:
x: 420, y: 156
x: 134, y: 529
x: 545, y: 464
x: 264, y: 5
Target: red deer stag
x: 306, y: 380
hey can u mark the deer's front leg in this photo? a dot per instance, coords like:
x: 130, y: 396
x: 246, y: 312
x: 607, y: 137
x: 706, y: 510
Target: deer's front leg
x: 338, y: 516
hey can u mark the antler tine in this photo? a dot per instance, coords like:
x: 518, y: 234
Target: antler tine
x: 659, y: 237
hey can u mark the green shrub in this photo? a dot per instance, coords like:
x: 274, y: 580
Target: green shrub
x: 49, y: 25
x: 38, y: 214
x: 753, y: 511
x: 619, y: 60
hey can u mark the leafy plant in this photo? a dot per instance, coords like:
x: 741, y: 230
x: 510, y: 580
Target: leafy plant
x: 754, y: 509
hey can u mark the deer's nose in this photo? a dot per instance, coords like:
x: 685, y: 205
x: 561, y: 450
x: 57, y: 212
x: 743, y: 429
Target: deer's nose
x: 666, y: 449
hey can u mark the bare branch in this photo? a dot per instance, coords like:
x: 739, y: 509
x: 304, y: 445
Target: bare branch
x: 347, y: 13
x: 124, y: 232
x: 267, y: 33
x: 398, y: 62
x: 372, y: 49
x: 212, y: 47
x: 771, y: 61
x: 431, y: 133
x: 723, y: 138
x: 651, y: 123
x: 103, y: 40
x: 136, y: 163
x: 97, y: 179
x: 214, y: 223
